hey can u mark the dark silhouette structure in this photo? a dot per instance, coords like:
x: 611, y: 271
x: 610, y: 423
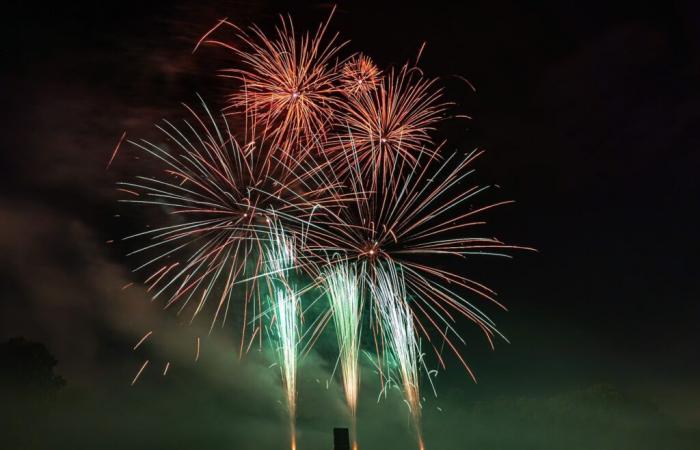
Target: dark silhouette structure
x: 341, y: 439
x: 27, y: 369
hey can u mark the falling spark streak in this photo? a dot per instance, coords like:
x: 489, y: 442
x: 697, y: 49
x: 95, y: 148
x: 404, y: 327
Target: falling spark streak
x: 116, y: 149
x: 165, y: 370
x: 344, y: 291
x: 142, y: 340
x: 196, y: 356
x: 138, y: 374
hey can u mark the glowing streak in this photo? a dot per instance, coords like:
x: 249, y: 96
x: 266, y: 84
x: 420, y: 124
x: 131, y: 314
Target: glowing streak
x: 116, y: 149
x: 143, y: 339
x: 138, y: 374
x: 130, y: 192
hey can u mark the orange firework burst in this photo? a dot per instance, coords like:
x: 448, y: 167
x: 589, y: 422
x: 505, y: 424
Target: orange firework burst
x: 288, y: 84
x: 360, y: 75
x: 391, y: 123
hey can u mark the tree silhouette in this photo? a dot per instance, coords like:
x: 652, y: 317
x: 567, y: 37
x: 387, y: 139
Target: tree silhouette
x: 28, y: 387
x: 27, y: 369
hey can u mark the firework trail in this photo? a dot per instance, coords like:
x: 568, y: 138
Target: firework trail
x: 285, y: 306
x: 344, y: 290
x: 398, y: 333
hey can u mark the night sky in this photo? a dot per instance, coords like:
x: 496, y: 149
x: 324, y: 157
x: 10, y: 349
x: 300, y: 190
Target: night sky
x: 589, y: 114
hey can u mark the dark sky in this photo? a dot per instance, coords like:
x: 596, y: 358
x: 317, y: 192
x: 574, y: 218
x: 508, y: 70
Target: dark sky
x: 589, y: 114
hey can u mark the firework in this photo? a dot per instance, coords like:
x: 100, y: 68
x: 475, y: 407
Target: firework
x: 389, y: 124
x: 288, y: 84
x: 359, y: 75
x: 395, y: 237
x: 221, y: 195
x: 333, y: 173
x: 405, y: 225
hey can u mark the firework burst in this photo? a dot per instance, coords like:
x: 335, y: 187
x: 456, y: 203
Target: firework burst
x: 395, y: 236
x: 388, y: 124
x: 360, y: 75
x: 288, y: 84
x: 221, y: 194
x: 410, y: 227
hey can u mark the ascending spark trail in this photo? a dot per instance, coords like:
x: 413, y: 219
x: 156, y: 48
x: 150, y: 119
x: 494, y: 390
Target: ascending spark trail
x: 286, y: 328
x: 285, y: 309
x: 398, y: 332
x: 344, y: 290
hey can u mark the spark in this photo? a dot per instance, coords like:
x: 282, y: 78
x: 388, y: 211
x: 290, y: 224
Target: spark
x: 116, y: 149
x: 142, y: 340
x: 138, y: 374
